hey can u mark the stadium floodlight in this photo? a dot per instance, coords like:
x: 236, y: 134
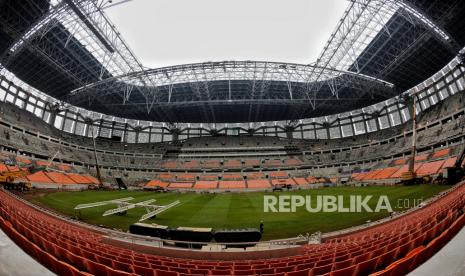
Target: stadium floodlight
x: 127, y: 206
x: 101, y: 203
x: 124, y: 205
x: 158, y: 210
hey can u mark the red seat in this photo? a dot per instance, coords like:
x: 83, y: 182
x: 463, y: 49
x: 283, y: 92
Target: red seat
x: 260, y: 266
x: 242, y: 267
x: 145, y: 264
x: 179, y: 269
x: 321, y: 270
x: 244, y: 272
x: 187, y: 265
x: 77, y: 261
x: 305, y: 266
x: 304, y: 272
x: 112, y: 272
x: 263, y: 271
x: 48, y: 261
x: 401, y: 267
x: 165, y: 273
x: 366, y: 267
x: 386, y: 259
x: 65, y: 269
x: 90, y: 256
x: 284, y: 269
x: 122, y: 266
x: 342, y: 264
x: 347, y: 271
x: 105, y: 261
x: 198, y: 271
x: 418, y: 257
x: 96, y: 268
x: 144, y: 271
x: 219, y: 272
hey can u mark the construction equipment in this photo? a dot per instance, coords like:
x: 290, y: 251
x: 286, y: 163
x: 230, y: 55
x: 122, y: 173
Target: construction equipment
x: 410, y: 177
x: 15, y: 180
x: 454, y: 174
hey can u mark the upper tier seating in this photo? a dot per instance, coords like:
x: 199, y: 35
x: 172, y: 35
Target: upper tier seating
x: 232, y: 164
x: 280, y: 174
x: 441, y: 153
x: 322, y: 157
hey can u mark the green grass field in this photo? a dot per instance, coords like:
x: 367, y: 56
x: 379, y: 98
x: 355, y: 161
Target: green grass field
x: 235, y: 210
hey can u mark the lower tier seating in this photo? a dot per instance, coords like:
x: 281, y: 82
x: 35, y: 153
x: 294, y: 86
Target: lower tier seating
x: 394, y: 247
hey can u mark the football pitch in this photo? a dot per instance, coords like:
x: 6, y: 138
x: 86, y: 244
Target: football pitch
x: 238, y: 210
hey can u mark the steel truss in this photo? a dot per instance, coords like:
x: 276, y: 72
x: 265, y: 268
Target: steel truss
x: 122, y: 77
x: 201, y: 78
x: 362, y: 21
x: 86, y: 22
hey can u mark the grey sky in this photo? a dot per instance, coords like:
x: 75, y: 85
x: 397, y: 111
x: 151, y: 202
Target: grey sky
x: 170, y: 32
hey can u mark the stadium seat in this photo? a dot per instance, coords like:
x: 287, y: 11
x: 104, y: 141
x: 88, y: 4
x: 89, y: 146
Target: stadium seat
x: 347, y: 271
x: 258, y: 184
x: 380, y: 249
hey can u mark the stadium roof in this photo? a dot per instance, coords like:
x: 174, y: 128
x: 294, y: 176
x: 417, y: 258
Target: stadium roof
x: 71, y: 51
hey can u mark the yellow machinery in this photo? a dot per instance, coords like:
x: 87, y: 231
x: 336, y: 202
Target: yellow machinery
x: 10, y: 181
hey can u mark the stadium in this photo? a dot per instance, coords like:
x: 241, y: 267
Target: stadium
x: 350, y: 164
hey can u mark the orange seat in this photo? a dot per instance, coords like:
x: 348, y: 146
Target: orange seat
x: 256, y: 175
x: 232, y: 176
x: 156, y: 183
x: 279, y: 174
x: 60, y: 178
x: 39, y: 177
x: 201, y: 184
x: 300, y: 181
x: 186, y: 177
x: 232, y: 164
x: 180, y: 185
x: 258, y: 183
x: 91, y: 179
x: 347, y: 271
x: 450, y: 162
x: 251, y: 163
x: 293, y: 162
x: 287, y: 181
x: 430, y: 168
x: 231, y: 184
x: 212, y: 164
x: 167, y: 177
x: 79, y: 179
x: 441, y: 153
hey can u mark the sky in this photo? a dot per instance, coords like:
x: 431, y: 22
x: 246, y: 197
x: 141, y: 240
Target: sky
x: 172, y: 32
